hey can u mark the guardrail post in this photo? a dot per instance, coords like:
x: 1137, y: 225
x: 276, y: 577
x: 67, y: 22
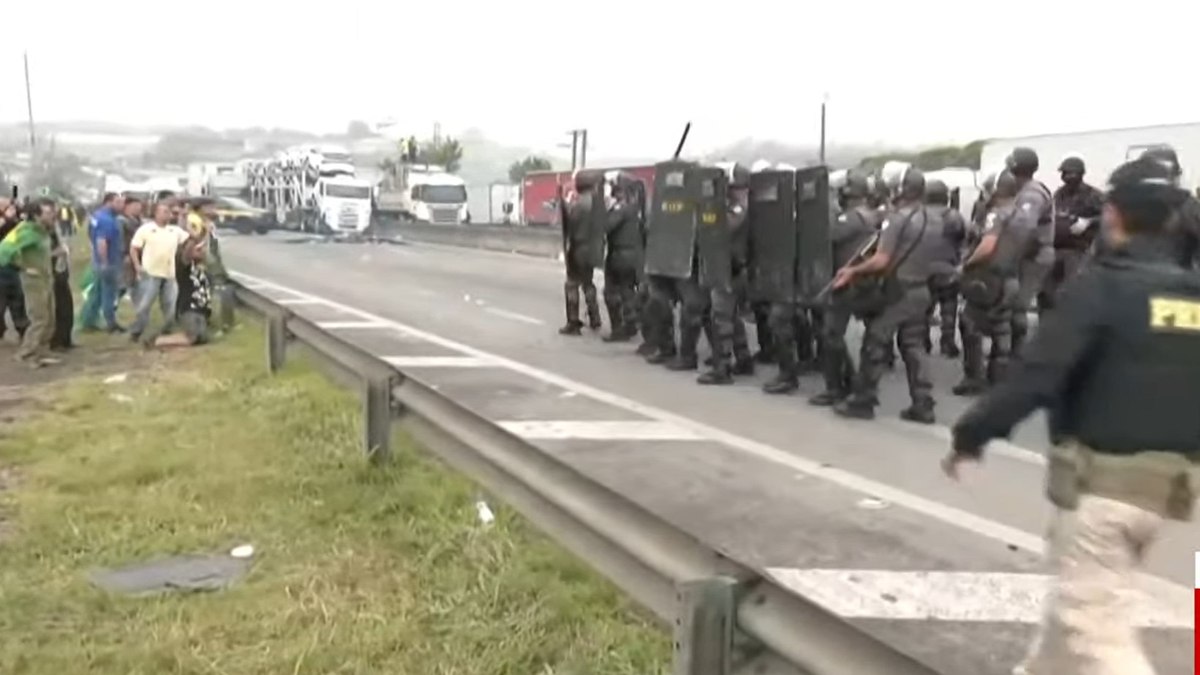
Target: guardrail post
x: 276, y: 340
x: 704, y: 626
x: 377, y: 418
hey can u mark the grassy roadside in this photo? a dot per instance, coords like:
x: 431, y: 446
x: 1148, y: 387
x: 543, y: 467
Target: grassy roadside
x: 358, y: 570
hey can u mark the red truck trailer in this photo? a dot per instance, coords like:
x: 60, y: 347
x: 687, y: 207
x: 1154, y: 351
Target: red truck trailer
x: 539, y: 192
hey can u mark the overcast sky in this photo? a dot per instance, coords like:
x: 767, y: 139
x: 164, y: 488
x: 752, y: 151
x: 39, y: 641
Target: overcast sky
x: 897, y: 72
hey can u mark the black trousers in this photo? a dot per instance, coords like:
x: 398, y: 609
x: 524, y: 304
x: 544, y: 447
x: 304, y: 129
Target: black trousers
x: 64, y: 312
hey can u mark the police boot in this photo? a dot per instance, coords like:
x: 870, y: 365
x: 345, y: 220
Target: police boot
x: 683, y: 362
x: 615, y: 319
x: 645, y: 349
x: 593, y: 308
x: 661, y: 356
x: 920, y: 412
x: 743, y: 365
x: 969, y: 386
x: 835, y: 386
x: 571, y: 299
x: 782, y: 383
x: 856, y: 407
x: 950, y: 347
x: 720, y: 373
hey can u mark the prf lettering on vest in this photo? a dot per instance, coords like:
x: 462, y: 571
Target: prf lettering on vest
x: 1174, y: 314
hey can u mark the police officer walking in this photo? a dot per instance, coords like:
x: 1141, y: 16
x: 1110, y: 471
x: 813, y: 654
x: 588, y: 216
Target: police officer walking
x: 1185, y: 224
x: 989, y: 281
x: 730, y: 349
x: 1034, y: 207
x: 943, y: 285
x: 1076, y: 222
x: 583, y: 248
x: 623, y: 260
x: 855, y: 225
x: 1122, y: 464
x: 910, y: 244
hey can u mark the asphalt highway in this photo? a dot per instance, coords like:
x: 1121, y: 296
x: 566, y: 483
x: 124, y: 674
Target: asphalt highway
x: 855, y: 515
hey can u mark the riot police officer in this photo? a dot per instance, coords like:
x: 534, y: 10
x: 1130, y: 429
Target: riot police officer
x: 943, y: 285
x: 623, y: 259
x: 583, y: 249
x: 730, y: 349
x: 898, y: 272
x: 1076, y: 221
x: 1034, y: 207
x: 854, y: 227
x: 1185, y: 225
x: 989, y: 286
x: 1122, y: 463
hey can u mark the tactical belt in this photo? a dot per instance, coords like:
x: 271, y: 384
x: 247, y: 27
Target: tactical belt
x: 1161, y: 482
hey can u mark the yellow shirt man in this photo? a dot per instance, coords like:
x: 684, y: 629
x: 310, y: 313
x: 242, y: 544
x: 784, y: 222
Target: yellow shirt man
x: 158, y: 245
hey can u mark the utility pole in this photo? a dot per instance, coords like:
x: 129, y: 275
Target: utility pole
x: 578, y: 148
x: 437, y: 133
x: 29, y: 108
x: 824, y: 100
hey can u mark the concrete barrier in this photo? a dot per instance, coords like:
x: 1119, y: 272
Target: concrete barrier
x: 535, y: 241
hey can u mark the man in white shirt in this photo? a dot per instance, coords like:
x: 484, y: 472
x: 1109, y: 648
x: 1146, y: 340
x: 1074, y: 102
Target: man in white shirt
x: 153, y: 252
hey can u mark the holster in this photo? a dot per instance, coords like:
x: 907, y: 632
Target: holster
x: 1161, y: 482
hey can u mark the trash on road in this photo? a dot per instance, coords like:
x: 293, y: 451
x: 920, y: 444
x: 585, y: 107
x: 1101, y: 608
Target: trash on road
x: 485, y: 512
x: 119, y: 378
x: 243, y: 551
x: 872, y: 504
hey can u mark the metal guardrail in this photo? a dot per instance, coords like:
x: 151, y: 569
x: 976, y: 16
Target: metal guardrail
x: 727, y: 618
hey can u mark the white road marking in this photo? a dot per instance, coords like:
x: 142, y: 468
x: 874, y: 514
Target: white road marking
x: 630, y: 430
x: 851, y: 481
x: 299, y: 301
x: 893, y: 595
x: 439, y: 361
x: 514, y: 316
x: 344, y: 325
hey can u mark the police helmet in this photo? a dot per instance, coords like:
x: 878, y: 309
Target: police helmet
x: 1146, y: 192
x: 904, y: 179
x: 857, y: 185
x: 760, y: 165
x: 1072, y: 164
x: 1022, y: 161
x: 587, y: 180
x: 837, y: 179
x: 937, y: 192
x: 1005, y: 184
x: 1165, y: 155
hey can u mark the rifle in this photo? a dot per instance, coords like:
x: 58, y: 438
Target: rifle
x: 863, y: 252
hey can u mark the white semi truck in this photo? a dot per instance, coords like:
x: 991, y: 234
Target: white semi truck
x: 216, y: 180
x: 423, y: 192
x: 312, y: 190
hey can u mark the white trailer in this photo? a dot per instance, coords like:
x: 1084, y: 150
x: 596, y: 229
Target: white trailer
x: 1102, y: 151
x: 423, y: 193
x: 310, y: 193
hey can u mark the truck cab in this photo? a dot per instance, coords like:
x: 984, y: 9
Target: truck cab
x: 342, y: 204
x: 423, y: 193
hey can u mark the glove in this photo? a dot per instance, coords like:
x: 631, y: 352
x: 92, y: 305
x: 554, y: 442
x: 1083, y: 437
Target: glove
x: 1080, y: 225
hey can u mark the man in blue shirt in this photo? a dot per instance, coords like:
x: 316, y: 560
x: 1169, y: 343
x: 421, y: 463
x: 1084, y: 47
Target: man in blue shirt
x: 108, y: 254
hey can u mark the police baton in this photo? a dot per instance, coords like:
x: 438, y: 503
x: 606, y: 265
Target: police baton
x: 857, y: 258
x: 682, y: 139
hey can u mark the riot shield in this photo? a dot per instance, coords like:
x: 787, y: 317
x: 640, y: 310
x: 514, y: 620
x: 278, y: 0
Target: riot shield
x: 773, y: 236
x: 956, y: 199
x: 597, y: 224
x: 713, y: 238
x: 671, y: 230
x: 814, y: 260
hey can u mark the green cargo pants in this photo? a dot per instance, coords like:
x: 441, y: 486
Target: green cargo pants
x: 39, y: 305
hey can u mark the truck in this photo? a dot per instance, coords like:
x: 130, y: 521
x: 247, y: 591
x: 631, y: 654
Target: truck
x: 539, y: 191
x: 310, y: 191
x: 216, y: 180
x: 1102, y: 151
x: 424, y: 193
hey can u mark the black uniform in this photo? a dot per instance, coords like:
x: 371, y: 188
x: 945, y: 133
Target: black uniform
x: 731, y: 351
x: 1127, y: 324
x: 1034, y: 206
x: 621, y: 266
x: 12, y: 298
x: 64, y: 303
x: 583, y: 249
x: 1076, y: 223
